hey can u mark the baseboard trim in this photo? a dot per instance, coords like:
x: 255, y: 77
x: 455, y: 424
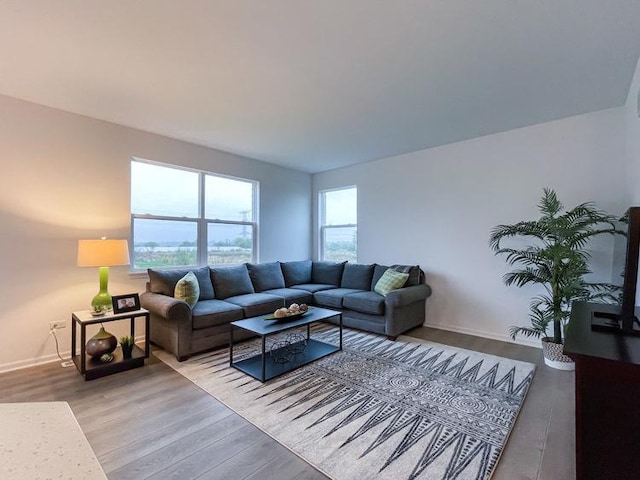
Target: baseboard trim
x: 34, y: 362
x: 528, y: 342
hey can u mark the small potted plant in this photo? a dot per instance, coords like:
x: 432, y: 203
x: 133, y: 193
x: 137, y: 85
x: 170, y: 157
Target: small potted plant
x: 127, y: 343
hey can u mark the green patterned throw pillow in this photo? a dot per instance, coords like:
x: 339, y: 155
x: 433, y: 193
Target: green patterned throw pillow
x: 188, y: 289
x: 390, y: 280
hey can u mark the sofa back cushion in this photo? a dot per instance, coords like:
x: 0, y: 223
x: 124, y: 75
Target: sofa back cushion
x: 327, y: 273
x: 164, y: 281
x: 296, y: 273
x: 266, y: 276
x: 378, y: 271
x: 357, y: 276
x: 231, y: 281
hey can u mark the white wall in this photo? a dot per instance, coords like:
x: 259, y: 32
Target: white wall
x: 66, y: 177
x: 632, y: 109
x: 436, y: 208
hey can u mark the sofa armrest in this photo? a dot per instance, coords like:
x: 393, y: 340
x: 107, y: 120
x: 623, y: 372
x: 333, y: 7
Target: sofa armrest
x: 164, y: 306
x: 407, y: 295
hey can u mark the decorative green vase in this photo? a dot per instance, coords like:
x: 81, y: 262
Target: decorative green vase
x: 101, y: 343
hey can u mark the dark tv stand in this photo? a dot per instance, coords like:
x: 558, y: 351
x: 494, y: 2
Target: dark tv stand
x: 607, y: 381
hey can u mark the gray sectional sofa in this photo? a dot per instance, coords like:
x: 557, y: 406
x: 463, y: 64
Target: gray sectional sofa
x: 232, y: 293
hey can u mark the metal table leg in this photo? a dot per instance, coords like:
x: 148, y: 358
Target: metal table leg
x: 264, y: 365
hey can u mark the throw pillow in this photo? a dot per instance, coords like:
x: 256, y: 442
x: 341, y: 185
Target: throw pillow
x: 187, y: 289
x: 390, y: 280
x: 412, y: 270
x: 164, y: 281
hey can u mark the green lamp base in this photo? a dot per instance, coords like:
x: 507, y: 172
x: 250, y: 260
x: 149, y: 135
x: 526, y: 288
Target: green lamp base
x: 102, y: 301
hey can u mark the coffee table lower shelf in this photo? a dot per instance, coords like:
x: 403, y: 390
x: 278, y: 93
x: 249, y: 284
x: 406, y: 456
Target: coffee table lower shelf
x: 253, y: 365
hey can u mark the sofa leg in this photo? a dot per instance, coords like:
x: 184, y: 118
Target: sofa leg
x: 392, y: 337
x: 183, y: 358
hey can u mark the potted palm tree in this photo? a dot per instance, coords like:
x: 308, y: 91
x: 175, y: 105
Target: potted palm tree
x: 556, y: 258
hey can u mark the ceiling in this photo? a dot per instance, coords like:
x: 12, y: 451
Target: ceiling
x: 317, y: 85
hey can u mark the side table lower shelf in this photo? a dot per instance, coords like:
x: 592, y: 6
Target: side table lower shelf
x: 94, y: 368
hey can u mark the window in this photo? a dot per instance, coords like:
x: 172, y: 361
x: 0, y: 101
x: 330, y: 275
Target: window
x: 184, y: 218
x: 339, y: 224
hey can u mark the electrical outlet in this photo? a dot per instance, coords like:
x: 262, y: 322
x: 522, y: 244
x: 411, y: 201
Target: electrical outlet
x: 57, y: 325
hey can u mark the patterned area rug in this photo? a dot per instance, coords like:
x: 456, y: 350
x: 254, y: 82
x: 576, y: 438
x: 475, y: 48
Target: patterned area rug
x: 378, y: 409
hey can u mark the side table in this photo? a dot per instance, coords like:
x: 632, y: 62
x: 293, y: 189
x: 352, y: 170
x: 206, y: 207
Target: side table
x: 93, y: 368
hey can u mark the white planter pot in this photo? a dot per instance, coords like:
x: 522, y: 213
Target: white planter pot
x: 553, y: 356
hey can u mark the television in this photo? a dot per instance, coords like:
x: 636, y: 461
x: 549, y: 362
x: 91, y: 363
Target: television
x: 623, y: 320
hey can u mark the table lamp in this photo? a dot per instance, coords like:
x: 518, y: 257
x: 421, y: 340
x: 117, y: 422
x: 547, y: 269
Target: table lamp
x: 102, y: 253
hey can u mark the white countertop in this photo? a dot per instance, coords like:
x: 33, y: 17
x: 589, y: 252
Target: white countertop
x: 44, y: 441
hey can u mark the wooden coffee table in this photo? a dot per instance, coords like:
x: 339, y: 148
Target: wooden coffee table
x: 285, y: 355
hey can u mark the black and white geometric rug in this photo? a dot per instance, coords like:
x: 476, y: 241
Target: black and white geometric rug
x: 378, y: 409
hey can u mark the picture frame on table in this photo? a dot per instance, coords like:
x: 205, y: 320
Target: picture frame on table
x: 125, y: 303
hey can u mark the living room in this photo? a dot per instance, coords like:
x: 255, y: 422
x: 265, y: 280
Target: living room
x: 67, y: 175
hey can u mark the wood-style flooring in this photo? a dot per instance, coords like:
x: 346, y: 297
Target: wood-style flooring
x: 152, y: 423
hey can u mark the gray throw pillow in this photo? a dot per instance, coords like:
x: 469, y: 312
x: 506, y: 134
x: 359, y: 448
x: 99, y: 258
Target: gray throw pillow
x: 412, y: 270
x: 265, y: 276
x: 164, y: 281
x: 296, y: 273
x: 231, y: 281
x: 357, y: 276
x: 328, y: 273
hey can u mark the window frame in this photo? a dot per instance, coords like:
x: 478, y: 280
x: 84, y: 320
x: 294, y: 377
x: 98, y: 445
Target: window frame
x: 202, y: 223
x: 323, y: 227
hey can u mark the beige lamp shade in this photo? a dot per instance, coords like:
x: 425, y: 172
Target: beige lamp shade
x: 102, y: 253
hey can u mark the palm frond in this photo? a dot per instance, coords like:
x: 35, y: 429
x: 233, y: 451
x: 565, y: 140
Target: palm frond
x: 556, y: 259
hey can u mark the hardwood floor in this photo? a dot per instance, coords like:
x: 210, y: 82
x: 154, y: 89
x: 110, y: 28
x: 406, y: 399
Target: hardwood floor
x: 152, y: 423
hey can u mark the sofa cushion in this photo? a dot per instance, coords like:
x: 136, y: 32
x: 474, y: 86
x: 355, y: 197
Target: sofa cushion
x: 365, y: 302
x: 265, y: 276
x: 412, y: 270
x: 254, y: 304
x: 332, y: 298
x: 296, y: 273
x: 313, y: 287
x: 210, y: 313
x: 164, y: 281
x: 390, y: 280
x: 291, y: 295
x: 231, y: 281
x: 357, y: 276
x: 329, y: 273
x: 187, y: 289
